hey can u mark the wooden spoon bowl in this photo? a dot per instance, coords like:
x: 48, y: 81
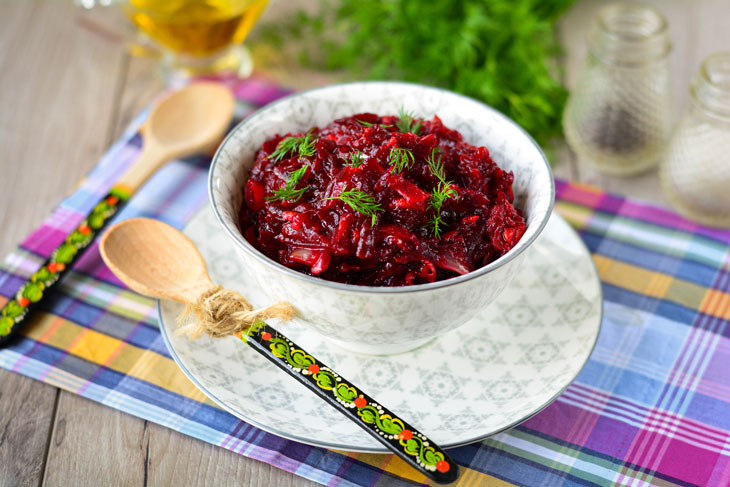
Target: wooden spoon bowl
x: 155, y: 259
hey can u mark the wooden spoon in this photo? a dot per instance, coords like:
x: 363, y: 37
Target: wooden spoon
x: 157, y: 260
x: 188, y: 121
x: 184, y: 123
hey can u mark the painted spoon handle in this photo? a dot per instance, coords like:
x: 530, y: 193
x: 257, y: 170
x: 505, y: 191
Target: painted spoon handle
x: 397, y: 435
x: 18, y: 309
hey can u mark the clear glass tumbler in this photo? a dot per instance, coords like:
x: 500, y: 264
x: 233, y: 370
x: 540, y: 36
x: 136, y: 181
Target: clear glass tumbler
x: 619, y: 116
x: 695, y: 173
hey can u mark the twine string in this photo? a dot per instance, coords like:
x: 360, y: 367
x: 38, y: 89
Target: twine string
x: 221, y: 312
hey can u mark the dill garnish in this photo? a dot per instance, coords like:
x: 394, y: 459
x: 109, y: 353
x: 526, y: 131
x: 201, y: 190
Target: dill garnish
x: 400, y: 159
x: 407, y: 123
x: 303, y: 145
x: 436, y: 166
x: 355, y: 159
x: 361, y: 202
x: 369, y: 124
x: 443, y: 191
x: 288, y: 193
x: 440, y: 194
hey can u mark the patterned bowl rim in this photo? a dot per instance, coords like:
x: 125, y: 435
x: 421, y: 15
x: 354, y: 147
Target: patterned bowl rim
x: 521, y: 246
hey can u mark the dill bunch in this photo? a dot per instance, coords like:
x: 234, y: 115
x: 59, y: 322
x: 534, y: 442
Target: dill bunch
x: 502, y: 52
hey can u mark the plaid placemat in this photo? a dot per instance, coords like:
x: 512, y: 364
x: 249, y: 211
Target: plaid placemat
x: 652, y: 407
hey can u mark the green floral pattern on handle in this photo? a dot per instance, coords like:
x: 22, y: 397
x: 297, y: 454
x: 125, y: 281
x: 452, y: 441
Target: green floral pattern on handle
x: 409, y: 444
x: 18, y: 308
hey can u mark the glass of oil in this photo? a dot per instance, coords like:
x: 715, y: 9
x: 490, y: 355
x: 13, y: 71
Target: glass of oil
x: 192, y: 37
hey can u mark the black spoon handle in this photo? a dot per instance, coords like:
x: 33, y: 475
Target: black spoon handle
x: 397, y: 435
x: 19, y: 308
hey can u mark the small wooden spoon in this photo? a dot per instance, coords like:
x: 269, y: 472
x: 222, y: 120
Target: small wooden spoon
x: 157, y: 260
x: 186, y: 122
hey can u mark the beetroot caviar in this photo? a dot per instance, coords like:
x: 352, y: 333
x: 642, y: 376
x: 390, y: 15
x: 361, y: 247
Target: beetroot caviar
x: 379, y: 201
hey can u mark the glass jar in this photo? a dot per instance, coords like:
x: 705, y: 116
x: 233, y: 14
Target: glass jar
x: 619, y: 116
x: 695, y: 173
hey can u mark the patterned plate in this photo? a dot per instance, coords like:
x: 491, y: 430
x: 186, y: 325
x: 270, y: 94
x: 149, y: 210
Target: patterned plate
x: 489, y: 375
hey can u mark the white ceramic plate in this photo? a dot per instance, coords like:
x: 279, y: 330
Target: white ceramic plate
x: 489, y: 375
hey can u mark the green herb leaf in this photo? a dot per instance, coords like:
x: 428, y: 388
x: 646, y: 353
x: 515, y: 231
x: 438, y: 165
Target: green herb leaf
x: 368, y: 124
x: 400, y: 159
x: 296, y: 176
x: 303, y: 145
x: 437, y: 165
x: 361, y: 202
x: 442, y: 192
x: 288, y: 193
x: 355, y: 159
x: 407, y: 123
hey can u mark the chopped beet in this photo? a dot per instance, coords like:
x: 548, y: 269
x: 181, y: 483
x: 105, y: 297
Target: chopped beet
x: 415, y: 240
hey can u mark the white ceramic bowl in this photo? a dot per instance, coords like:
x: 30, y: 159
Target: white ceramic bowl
x: 383, y: 320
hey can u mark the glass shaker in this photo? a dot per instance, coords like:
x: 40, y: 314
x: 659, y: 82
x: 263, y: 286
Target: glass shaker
x: 695, y: 173
x: 619, y: 116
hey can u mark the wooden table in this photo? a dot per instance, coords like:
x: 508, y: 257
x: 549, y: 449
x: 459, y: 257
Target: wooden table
x: 67, y: 90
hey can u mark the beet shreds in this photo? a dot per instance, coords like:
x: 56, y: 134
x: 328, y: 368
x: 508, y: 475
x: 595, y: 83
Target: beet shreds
x: 380, y: 201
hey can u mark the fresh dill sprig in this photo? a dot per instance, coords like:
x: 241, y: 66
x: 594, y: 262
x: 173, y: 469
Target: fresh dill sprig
x: 407, y: 122
x: 369, y: 124
x: 400, y: 159
x: 436, y: 165
x: 296, y: 176
x: 355, y: 159
x: 361, y: 202
x: 442, y: 192
x: 288, y: 193
x: 304, y: 145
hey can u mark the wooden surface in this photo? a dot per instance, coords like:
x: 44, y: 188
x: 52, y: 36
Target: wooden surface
x: 68, y: 89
